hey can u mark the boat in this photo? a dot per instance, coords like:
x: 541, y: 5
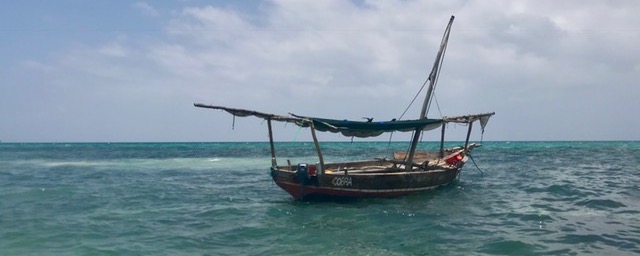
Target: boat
x: 398, y: 174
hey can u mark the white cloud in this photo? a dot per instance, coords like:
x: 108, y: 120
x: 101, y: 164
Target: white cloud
x: 114, y: 49
x: 534, y: 63
x: 37, y: 66
x: 146, y: 9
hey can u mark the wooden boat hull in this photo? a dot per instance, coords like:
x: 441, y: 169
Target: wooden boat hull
x: 361, y: 185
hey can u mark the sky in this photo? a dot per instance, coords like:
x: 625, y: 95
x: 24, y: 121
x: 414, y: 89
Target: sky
x: 130, y: 71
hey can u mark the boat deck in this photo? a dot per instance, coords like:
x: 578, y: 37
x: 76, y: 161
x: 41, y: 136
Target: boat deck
x: 424, y: 162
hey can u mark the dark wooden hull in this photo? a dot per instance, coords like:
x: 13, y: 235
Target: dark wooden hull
x: 361, y: 185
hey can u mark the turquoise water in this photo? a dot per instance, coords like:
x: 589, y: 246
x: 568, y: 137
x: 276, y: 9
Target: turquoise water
x: 551, y: 198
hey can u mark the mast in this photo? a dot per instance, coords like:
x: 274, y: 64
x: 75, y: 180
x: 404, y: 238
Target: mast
x: 432, y: 84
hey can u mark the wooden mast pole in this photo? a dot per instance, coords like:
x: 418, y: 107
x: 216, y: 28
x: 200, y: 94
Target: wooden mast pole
x: 274, y: 164
x: 427, y: 99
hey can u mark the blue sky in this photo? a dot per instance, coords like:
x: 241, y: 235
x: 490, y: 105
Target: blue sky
x: 80, y: 71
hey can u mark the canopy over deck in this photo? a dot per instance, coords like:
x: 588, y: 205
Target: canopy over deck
x: 370, y: 129
x: 361, y: 129
x: 484, y: 119
x: 345, y: 127
x: 244, y: 113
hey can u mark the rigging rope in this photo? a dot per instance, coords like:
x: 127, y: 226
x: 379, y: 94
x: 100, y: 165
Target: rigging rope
x: 409, y: 106
x: 414, y: 99
x: 437, y: 104
x: 474, y: 163
x: 295, y: 138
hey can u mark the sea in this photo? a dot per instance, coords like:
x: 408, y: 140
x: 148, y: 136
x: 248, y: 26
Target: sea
x: 514, y: 198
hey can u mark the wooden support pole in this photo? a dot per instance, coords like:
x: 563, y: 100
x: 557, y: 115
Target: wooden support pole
x: 466, y: 142
x: 274, y: 164
x: 412, y: 150
x: 317, y: 144
x: 444, y: 127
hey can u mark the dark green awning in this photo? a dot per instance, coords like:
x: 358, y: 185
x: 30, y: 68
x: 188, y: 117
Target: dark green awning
x: 368, y: 129
x: 345, y: 127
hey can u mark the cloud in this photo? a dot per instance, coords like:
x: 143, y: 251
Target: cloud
x: 293, y: 53
x: 37, y: 67
x: 114, y: 49
x: 146, y: 9
x: 524, y: 60
x: 548, y: 69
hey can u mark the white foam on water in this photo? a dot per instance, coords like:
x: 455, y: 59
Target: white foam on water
x: 151, y: 164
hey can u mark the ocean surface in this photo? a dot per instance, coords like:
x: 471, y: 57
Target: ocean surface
x: 534, y: 198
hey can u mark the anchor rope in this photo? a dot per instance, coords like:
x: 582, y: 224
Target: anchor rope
x: 474, y: 163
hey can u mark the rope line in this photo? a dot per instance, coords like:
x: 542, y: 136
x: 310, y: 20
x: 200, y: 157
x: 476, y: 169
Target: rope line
x: 474, y: 163
x: 414, y: 99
